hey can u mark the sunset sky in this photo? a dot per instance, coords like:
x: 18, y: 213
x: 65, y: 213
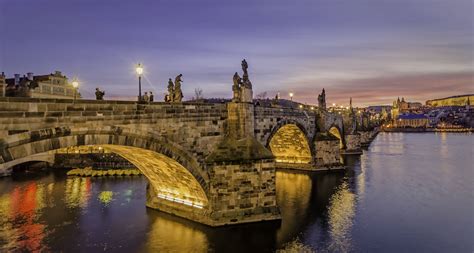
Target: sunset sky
x: 372, y: 50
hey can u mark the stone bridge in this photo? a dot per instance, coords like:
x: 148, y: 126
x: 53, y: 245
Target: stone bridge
x: 210, y: 163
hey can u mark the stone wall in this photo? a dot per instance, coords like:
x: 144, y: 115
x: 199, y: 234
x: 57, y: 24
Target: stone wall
x: 198, y: 127
x: 269, y: 119
x: 243, y: 192
x: 327, y: 153
x: 353, y: 144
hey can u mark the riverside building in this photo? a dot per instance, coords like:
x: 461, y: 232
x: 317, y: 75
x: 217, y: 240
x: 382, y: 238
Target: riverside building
x: 54, y: 85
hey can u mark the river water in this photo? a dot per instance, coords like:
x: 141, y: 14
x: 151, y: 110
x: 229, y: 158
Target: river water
x: 406, y: 193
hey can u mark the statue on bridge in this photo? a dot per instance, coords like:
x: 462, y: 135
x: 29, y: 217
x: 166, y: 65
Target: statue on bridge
x: 178, y: 94
x: 242, y: 87
x: 170, y: 95
x: 322, y: 100
x: 175, y: 94
x: 236, y: 88
x: 353, y: 118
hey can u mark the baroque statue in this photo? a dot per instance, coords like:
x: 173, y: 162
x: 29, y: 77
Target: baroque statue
x: 178, y: 94
x: 322, y: 100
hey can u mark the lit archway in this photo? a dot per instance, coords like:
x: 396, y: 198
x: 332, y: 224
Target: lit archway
x: 334, y: 131
x: 170, y: 179
x: 290, y: 145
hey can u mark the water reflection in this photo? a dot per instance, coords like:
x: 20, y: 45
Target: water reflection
x: 19, y: 210
x: 169, y: 234
x: 78, y: 191
x: 341, y: 213
x: 389, y: 198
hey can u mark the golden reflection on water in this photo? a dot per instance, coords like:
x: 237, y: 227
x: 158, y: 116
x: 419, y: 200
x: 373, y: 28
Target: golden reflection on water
x: 77, y: 191
x: 167, y: 235
x: 23, y: 205
x: 341, y: 213
x: 106, y: 197
x: 293, y: 197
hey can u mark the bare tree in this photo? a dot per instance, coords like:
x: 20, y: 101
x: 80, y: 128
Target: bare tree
x: 262, y: 95
x: 198, y: 94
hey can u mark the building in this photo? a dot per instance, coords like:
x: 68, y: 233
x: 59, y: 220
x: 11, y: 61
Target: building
x: 460, y: 100
x: 3, y: 85
x: 44, y: 86
x: 411, y: 121
x: 401, y: 107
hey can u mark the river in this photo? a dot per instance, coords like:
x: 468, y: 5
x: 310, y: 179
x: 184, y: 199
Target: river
x: 409, y: 192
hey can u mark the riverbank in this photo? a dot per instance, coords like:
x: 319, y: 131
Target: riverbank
x: 428, y: 130
x: 88, y: 172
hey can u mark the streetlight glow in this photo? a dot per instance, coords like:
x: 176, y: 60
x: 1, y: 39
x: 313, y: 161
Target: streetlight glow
x: 75, y: 84
x: 139, y: 69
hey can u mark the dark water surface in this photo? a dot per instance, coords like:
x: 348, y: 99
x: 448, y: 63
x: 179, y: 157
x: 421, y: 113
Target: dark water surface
x: 407, y: 193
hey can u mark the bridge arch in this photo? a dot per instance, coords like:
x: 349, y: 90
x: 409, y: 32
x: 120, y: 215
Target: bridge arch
x: 290, y: 143
x: 336, y: 131
x: 173, y: 173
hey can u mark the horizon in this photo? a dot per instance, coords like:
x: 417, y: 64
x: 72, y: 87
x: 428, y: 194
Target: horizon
x: 372, y: 51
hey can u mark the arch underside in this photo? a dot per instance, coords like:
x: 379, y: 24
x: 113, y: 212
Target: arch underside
x: 290, y: 145
x: 170, y: 179
x: 173, y: 173
x: 335, y: 132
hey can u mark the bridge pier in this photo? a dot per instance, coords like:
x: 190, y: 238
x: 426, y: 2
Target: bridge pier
x: 353, y: 144
x: 327, y: 152
x: 242, y: 173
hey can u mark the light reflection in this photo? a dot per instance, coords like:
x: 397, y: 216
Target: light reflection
x: 22, y: 206
x: 78, y: 191
x: 293, y: 197
x: 167, y: 235
x: 341, y: 213
x: 106, y: 197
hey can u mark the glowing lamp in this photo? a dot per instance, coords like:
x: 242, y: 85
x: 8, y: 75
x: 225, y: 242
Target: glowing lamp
x: 139, y: 69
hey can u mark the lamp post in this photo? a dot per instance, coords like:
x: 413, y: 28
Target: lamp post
x: 75, y: 84
x: 139, y: 70
x: 291, y: 96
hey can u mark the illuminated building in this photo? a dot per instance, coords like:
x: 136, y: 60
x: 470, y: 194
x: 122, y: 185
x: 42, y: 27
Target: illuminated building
x: 412, y: 121
x: 44, y: 86
x: 461, y: 100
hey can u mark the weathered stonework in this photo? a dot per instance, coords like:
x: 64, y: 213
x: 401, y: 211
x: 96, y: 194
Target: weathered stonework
x: 353, y: 144
x: 327, y: 154
x: 221, y: 149
x: 243, y: 192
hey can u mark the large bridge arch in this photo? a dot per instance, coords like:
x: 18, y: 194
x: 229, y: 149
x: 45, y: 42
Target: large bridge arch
x: 336, y: 131
x: 290, y: 142
x: 144, y: 149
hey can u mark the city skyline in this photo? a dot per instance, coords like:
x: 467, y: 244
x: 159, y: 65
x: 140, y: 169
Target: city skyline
x: 372, y: 51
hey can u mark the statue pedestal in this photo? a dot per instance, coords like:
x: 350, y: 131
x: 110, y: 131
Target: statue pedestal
x: 247, y: 95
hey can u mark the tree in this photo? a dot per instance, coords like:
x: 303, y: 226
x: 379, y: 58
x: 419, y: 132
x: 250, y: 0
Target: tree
x: 262, y: 95
x: 198, y: 94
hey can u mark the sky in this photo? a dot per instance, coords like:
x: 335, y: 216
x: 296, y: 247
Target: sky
x: 371, y: 50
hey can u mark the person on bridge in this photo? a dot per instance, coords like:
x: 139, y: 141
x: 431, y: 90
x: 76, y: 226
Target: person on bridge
x: 146, y: 98
x: 99, y: 95
x: 151, y: 97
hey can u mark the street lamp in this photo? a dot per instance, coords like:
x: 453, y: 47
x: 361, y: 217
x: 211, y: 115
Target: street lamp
x: 139, y: 70
x: 75, y: 84
x: 291, y: 96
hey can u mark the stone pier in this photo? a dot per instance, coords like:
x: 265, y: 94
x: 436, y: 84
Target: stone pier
x: 353, y: 146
